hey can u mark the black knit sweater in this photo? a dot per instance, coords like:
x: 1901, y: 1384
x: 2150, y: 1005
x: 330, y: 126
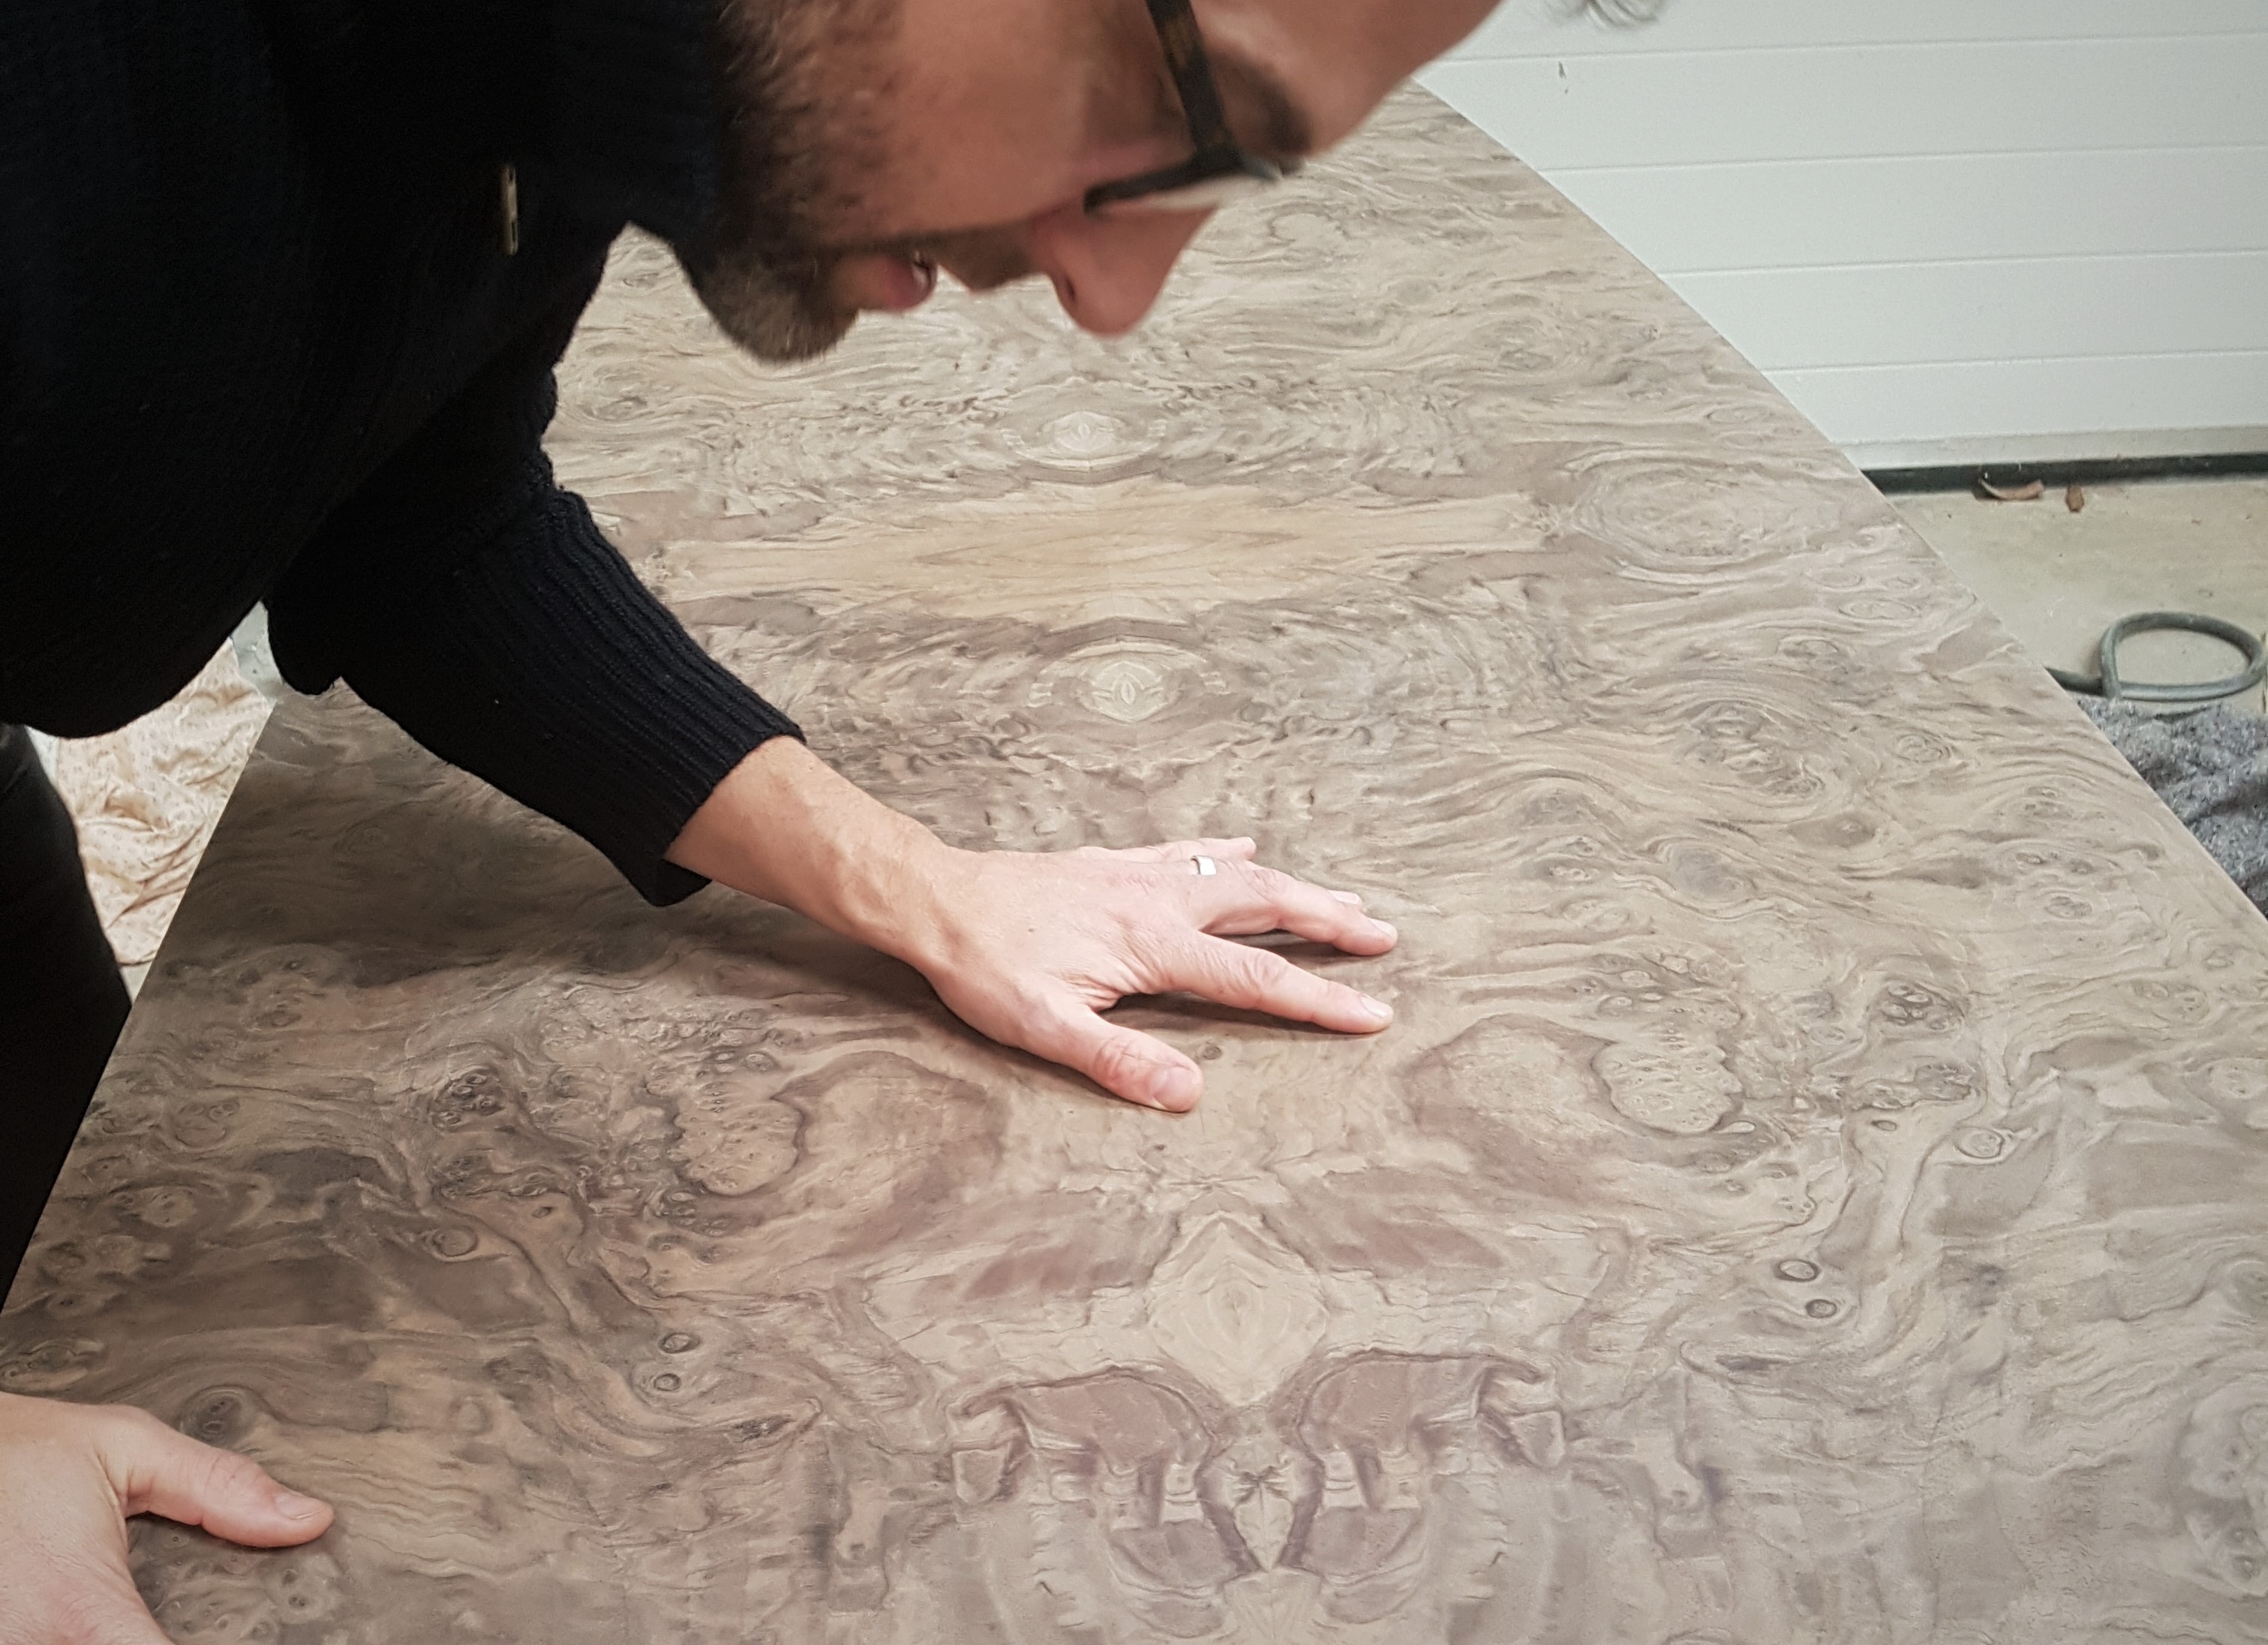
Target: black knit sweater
x: 260, y: 339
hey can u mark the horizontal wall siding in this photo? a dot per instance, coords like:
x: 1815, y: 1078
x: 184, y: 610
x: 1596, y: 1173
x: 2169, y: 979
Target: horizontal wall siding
x: 1965, y: 412
x: 1929, y: 221
x: 1517, y: 27
x: 1914, y: 313
x: 1845, y: 102
x: 1684, y: 219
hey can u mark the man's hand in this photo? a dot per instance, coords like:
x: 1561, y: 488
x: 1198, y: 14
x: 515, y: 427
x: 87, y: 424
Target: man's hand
x: 71, y: 1476
x: 1029, y: 948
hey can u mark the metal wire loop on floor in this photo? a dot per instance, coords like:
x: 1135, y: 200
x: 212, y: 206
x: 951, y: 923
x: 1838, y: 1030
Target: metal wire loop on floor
x: 2111, y: 683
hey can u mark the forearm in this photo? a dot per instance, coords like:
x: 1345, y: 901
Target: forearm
x: 785, y: 826
x: 469, y: 599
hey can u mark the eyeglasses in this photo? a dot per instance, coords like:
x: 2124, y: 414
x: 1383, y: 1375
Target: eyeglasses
x: 1222, y: 169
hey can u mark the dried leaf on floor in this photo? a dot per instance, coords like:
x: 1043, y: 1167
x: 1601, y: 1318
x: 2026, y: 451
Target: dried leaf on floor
x: 2031, y: 491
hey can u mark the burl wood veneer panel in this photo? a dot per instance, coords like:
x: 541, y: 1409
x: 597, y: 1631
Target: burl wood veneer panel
x: 1817, y: 1187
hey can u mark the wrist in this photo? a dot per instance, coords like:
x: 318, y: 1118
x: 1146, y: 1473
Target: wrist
x: 785, y: 826
x: 887, y: 886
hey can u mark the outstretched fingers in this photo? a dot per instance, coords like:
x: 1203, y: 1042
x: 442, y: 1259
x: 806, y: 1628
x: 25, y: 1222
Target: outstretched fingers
x: 1041, y: 948
x: 1248, y: 900
x: 1122, y: 1061
x: 1256, y: 979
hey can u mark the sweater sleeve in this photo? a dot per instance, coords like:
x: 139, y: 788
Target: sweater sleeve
x: 465, y: 596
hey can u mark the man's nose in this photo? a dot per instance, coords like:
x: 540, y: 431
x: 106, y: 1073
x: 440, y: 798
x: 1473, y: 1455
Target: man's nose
x: 1109, y: 270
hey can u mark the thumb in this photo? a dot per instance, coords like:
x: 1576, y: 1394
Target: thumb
x: 1121, y: 1062
x: 156, y: 1470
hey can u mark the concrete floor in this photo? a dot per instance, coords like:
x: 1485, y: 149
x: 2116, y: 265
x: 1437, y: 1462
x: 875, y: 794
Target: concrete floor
x: 2059, y: 578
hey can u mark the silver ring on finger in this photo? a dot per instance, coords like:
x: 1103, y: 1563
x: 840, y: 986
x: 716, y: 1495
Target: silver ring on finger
x: 1203, y: 866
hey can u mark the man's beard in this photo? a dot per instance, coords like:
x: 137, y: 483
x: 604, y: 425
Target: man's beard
x: 792, y: 157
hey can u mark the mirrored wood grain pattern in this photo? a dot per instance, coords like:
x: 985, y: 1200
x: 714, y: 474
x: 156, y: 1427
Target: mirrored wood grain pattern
x: 1816, y: 1189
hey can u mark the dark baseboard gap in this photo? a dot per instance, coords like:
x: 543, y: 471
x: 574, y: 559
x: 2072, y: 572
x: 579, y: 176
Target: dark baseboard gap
x: 2092, y: 472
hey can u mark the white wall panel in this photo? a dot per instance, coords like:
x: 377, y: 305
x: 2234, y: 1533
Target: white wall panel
x: 2017, y: 225
x: 1916, y: 313
x: 1924, y: 415
x: 1517, y: 27
x: 1846, y: 102
x: 1687, y: 219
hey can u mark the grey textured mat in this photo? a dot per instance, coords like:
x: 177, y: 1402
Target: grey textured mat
x: 2211, y: 768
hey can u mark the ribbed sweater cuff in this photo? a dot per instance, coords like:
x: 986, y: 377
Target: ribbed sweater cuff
x: 543, y: 666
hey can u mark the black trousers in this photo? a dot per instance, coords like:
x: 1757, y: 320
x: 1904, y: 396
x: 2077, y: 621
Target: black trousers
x: 62, y: 999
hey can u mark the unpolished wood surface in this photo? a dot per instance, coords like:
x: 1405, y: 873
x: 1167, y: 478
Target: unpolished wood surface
x: 1817, y: 1187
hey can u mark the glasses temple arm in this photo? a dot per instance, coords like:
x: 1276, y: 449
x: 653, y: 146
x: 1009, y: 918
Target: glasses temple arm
x: 1193, y: 81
